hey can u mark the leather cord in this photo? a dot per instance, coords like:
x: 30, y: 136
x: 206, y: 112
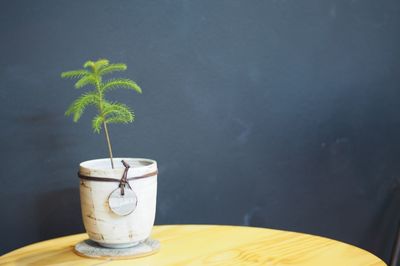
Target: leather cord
x: 124, y: 181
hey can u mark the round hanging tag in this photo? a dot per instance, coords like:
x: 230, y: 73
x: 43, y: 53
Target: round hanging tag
x: 122, y: 204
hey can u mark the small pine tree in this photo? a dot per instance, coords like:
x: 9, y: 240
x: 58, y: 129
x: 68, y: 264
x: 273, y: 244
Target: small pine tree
x: 108, y: 112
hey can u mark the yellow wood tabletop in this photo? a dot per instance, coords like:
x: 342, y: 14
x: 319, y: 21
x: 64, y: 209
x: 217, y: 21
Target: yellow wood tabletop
x: 208, y: 245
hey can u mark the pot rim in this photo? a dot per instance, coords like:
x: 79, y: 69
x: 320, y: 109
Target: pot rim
x: 102, y: 167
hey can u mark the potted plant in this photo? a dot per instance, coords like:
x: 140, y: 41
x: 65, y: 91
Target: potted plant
x: 118, y: 195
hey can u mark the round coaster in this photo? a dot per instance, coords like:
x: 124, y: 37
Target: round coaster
x: 91, y: 249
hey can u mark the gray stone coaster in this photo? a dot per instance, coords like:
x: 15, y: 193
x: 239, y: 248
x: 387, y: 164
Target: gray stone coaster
x: 91, y: 249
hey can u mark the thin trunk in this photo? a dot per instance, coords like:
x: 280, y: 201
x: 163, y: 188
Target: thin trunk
x: 109, y: 144
x: 98, y: 86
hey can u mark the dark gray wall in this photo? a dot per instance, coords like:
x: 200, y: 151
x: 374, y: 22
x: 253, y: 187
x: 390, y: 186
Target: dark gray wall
x: 280, y: 114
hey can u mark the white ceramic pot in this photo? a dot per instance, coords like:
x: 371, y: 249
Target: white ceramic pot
x: 101, y: 223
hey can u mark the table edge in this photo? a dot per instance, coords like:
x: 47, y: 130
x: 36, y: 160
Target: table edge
x: 200, y: 225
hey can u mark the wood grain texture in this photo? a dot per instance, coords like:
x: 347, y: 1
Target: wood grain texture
x: 209, y: 245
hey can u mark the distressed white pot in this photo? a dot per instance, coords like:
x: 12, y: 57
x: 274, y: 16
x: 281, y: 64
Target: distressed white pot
x: 104, y: 226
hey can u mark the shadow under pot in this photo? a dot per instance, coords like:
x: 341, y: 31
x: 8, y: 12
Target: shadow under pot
x: 118, y: 205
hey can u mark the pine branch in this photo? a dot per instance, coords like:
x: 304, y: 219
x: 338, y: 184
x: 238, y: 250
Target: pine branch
x: 96, y: 123
x: 86, y: 80
x: 101, y: 63
x: 118, y: 113
x: 121, y: 83
x: 78, y: 106
x: 75, y: 73
x: 112, y: 68
x: 96, y: 66
x: 88, y: 64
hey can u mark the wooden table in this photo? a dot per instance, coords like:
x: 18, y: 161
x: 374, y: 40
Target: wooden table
x: 209, y: 245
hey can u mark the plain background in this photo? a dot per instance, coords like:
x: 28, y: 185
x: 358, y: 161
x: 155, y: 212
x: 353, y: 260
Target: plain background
x: 279, y: 114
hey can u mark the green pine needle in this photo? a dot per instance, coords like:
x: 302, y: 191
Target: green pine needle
x: 75, y: 73
x: 78, y: 106
x: 112, y: 68
x: 89, y: 79
x: 118, y: 113
x: 121, y: 83
x: 96, y: 123
x: 88, y: 64
x: 101, y: 63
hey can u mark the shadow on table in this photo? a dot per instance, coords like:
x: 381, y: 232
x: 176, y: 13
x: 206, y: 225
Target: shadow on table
x: 59, y: 213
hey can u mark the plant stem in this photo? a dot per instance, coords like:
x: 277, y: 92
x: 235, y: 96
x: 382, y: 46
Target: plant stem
x: 109, y: 144
x: 98, y: 85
